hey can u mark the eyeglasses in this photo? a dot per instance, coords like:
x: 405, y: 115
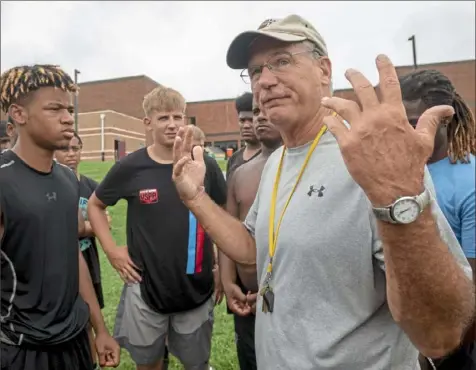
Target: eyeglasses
x: 277, y: 64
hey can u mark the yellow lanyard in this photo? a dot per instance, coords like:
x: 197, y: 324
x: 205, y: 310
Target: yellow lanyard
x: 273, y: 237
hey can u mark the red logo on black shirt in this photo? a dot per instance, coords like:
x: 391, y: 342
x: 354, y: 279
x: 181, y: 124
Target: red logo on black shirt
x: 149, y: 196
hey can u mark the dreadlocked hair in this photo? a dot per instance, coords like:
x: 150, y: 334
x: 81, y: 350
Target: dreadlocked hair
x: 18, y: 82
x: 434, y: 88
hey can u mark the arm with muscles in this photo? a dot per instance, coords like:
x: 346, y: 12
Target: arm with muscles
x: 235, y: 298
x: 468, y: 243
x: 229, y: 234
x: 110, y: 192
x: 107, y: 348
x: 423, y: 296
x: 387, y: 158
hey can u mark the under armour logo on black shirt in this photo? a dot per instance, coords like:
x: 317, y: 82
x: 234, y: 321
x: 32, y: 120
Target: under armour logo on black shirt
x: 51, y: 196
x: 320, y: 191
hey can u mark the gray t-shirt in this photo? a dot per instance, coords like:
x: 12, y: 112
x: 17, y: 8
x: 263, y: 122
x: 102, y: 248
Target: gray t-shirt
x: 330, y: 309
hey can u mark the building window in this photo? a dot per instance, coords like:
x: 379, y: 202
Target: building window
x: 192, y: 121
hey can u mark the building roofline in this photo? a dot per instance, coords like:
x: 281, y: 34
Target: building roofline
x: 118, y: 79
x: 108, y: 111
x: 211, y: 101
x: 420, y: 66
x: 125, y: 78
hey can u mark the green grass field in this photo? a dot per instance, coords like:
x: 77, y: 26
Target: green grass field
x: 223, y: 349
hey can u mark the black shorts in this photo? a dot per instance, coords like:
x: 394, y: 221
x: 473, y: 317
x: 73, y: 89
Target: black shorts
x: 72, y: 355
x: 245, y: 341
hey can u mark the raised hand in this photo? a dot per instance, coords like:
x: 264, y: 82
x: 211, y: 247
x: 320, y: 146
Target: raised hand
x: 189, y: 168
x: 382, y: 151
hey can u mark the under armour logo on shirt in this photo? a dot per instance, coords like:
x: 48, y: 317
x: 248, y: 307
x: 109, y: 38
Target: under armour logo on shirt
x: 320, y: 191
x: 51, y: 196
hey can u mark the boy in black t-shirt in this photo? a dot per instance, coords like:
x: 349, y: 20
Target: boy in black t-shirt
x: 167, y: 264
x: 46, y: 290
x: 71, y: 157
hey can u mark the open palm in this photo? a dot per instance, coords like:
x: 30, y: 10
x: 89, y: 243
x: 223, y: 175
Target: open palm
x: 189, y: 167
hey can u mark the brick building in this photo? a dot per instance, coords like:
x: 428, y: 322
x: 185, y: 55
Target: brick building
x: 219, y: 121
x: 120, y: 100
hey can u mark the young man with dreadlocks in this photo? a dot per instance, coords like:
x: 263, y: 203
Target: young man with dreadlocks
x: 47, y: 297
x: 452, y: 167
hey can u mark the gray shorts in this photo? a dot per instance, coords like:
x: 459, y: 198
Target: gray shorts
x: 143, y: 331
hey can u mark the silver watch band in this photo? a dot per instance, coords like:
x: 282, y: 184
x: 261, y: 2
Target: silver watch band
x: 385, y: 213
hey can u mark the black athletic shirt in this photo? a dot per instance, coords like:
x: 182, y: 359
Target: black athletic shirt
x: 164, y: 238
x: 40, y: 301
x: 236, y: 160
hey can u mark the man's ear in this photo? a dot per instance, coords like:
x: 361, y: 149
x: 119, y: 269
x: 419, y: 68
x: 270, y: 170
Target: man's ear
x: 10, y: 129
x: 147, y: 121
x: 18, y: 114
x: 326, y: 67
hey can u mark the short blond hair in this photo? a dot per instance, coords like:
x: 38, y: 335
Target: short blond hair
x: 198, y: 134
x: 163, y: 99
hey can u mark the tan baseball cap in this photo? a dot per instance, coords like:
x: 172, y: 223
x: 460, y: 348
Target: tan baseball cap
x: 293, y: 28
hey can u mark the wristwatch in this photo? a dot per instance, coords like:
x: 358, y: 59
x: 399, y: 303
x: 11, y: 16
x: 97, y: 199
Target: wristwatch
x: 404, y: 210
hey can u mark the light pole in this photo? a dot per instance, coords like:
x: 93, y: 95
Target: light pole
x: 413, y: 40
x: 103, y: 117
x: 76, y: 73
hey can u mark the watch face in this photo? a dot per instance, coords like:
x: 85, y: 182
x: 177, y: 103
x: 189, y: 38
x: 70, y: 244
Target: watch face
x: 405, y: 210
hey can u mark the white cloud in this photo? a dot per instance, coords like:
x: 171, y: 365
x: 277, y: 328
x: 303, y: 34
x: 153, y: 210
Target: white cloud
x: 183, y: 44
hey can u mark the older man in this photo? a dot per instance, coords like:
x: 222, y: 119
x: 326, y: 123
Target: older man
x: 330, y: 206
